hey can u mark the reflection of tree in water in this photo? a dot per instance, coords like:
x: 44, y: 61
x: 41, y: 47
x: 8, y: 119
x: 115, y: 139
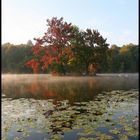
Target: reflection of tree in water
x: 40, y: 90
x: 60, y: 90
x: 33, y: 89
x: 76, y: 89
x: 84, y: 117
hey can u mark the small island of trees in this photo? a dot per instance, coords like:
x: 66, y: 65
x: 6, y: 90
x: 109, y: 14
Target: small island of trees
x: 65, y: 49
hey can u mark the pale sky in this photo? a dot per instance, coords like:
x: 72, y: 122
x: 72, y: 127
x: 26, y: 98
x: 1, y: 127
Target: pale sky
x: 116, y: 20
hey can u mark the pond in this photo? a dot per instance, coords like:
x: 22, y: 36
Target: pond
x: 43, y: 107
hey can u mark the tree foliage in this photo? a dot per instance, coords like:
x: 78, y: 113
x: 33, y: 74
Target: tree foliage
x: 64, y: 48
x: 51, y: 49
x: 14, y: 58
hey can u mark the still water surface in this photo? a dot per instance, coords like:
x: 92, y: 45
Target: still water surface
x: 42, y: 107
x: 60, y: 88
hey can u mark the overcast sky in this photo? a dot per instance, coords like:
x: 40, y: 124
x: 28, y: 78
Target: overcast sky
x: 116, y: 20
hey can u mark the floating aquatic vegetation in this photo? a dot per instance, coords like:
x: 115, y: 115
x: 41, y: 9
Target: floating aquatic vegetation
x: 110, y: 115
x: 87, y: 132
x: 115, y: 131
x: 20, y: 130
x: 123, y: 137
x: 16, y: 138
x: 57, y: 137
x: 102, y: 136
x: 84, y: 138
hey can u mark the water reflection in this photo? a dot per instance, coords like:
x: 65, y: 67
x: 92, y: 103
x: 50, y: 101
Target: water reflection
x: 62, y: 88
x: 107, y: 117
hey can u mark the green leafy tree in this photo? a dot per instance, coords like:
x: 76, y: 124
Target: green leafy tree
x: 114, y: 59
x: 90, y: 49
x: 30, y: 43
x: 129, y: 57
x: 14, y: 57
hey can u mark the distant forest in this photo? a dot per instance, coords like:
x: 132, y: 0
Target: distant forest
x: 122, y: 59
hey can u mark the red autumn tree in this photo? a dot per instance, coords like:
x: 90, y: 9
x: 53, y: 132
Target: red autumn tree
x: 50, y: 50
x: 34, y: 65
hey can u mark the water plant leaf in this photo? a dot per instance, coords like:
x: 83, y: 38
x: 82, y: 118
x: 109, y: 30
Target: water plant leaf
x: 114, y: 131
x: 124, y: 137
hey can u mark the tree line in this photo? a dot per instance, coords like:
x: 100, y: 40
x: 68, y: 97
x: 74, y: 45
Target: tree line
x: 65, y: 48
x: 14, y: 57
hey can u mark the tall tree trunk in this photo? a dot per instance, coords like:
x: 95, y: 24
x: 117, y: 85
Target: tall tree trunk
x: 63, y: 69
x: 94, y: 73
x: 36, y: 71
x: 94, y: 69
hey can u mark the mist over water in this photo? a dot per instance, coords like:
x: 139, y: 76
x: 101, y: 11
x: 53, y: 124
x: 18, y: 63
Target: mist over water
x: 70, y: 108
x: 45, y: 86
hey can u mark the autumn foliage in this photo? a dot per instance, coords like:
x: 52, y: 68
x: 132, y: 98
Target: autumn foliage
x: 34, y: 65
x: 64, y: 47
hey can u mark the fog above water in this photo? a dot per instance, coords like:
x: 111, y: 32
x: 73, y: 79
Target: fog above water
x: 80, y: 88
